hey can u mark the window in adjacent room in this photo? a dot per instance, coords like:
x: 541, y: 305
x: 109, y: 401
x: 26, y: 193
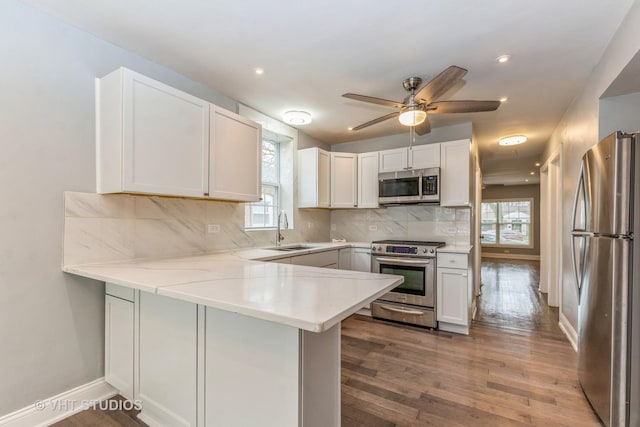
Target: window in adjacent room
x: 264, y: 213
x: 507, y: 222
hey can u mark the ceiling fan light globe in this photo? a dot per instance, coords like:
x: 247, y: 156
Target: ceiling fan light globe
x: 412, y: 117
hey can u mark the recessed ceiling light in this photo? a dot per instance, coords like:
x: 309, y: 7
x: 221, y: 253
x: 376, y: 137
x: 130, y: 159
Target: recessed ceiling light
x: 259, y: 71
x: 349, y: 128
x: 503, y: 99
x: 538, y: 164
x: 503, y: 58
x: 532, y: 173
x: 512, y: 140
x: 296, y: 117
x: 526, y: 180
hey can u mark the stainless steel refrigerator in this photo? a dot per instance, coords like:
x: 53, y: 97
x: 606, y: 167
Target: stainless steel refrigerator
x: 606, y: 255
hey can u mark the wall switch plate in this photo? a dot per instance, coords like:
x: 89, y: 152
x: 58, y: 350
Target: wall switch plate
x: 213, y: 228
x: 309, y: 225
x: 373, y: 228
x: 333, y: 227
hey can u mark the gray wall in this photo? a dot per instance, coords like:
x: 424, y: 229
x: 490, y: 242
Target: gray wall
x: 619, y: 113
x: 579, y: 130
x: 52, y: 327
x: 492, y: 192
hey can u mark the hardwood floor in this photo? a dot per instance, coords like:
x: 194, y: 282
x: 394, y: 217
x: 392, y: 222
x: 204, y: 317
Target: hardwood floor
x: 514, y: 369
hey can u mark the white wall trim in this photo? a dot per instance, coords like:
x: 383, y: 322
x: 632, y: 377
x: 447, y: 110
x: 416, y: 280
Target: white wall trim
x: 47, y: 411
x: 510, y: 256
x: 568, y: 330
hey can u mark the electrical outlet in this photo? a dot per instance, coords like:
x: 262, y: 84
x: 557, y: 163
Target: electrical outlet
x: 309, y: 225
x: 333, y: 227
x: 373, y: 227
x: 213, y: 228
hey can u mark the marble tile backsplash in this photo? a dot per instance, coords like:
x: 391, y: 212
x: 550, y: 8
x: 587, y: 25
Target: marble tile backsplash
x: 102, y: 228
x: 435, y: 223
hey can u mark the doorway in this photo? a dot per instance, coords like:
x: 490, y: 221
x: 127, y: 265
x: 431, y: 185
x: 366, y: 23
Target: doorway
x: 551, y: 228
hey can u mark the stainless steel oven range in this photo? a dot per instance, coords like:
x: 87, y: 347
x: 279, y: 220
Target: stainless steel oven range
x: 414, y: 301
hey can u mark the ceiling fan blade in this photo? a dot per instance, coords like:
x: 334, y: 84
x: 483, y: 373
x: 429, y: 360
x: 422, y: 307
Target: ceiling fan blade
x: 424, y: 127
x: 378, y: 120
x: 374, y: 100
x: 444, y: 107
x: 440, y: 84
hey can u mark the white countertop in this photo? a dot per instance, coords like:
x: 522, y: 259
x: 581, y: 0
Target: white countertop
x: 456, y: 249
x: 310, y: 298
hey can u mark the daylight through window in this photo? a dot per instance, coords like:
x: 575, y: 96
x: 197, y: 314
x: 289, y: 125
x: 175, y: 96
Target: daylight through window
x: 264, y: 214
x: 507, y: 223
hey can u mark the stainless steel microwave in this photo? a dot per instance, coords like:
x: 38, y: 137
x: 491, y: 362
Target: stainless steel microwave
x: 411, y: 186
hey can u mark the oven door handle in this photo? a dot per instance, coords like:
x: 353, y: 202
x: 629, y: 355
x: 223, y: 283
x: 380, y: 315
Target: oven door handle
x: 402, y: 310
x: 403, y: 261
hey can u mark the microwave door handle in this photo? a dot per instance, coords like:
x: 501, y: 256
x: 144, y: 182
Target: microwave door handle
x: 403, y: 261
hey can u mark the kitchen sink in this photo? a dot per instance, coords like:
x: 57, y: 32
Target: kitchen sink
x: 291, y: 248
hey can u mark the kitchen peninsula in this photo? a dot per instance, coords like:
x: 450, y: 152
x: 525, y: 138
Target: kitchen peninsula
x: 228, y: 339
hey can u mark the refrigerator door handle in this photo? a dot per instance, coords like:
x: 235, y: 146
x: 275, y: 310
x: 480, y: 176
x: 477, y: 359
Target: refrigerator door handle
x: 580, y: 223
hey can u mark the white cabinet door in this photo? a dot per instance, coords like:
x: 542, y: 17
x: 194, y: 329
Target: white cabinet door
x: 455, y: 163
x: 152, y: 138
x: 235, y: 157
x: 393, y: 160
x: 119, y: 340
x: 168, y: 360
x: 424, y: 156
x: 327, y: 259
x: 368, y: 180
x: 344, y: 258
x: 452, y: 296
x: 314, y: 178
x: 361, y: 259
x: 344, y: 180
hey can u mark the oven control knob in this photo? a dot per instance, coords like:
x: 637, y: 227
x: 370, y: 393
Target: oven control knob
x: 424, y: 251
x: 379, y: 248
x: 431, y: 251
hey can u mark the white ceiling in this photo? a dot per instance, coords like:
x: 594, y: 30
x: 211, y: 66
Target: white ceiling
x: 313, y: 52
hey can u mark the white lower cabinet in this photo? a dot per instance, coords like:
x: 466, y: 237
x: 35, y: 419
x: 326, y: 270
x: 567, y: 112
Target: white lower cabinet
x: 168, y: 355
x: 199, y: 366
x: 453, y: 293
x: 326, y: 259
x: 361, y: 259
x: 119, y: 341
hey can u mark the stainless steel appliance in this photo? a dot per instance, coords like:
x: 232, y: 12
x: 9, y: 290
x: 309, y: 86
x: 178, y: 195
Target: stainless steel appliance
x: 606, y: 255
x: 414, y: 301
x: 409, y: 186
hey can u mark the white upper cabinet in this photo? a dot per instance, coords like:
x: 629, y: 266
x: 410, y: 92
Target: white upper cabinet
x: 424, y: 156
x: 314, y: 178
x: 418, y: 157
x: 368, y: 180
x: 235, y: 157
x: 393, y: 160
x: 151, y: 138
x: 154, y: 139
x: 344, y: 180
x: 455, y: 174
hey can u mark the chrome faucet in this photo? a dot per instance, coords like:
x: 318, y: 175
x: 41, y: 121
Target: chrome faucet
x: 279, y: 236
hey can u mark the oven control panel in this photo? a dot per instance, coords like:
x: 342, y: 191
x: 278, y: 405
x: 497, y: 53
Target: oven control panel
x: 412, y: 249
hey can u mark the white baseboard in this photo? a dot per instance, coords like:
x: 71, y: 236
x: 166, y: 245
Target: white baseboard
x: 45, y: 412
x: 511, y: 256
x: 569, y: 331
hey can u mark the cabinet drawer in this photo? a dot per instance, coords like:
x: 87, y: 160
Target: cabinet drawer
x: 448, y: 260
x: 119, y: 292
x: 318, y: 259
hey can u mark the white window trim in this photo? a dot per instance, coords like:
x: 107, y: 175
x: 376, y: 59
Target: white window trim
x: 287, y: 150
x: 531, y: 224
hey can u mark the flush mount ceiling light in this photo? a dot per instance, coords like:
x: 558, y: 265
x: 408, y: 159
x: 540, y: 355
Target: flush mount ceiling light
x: 259, y: 71
x: 512, y: 140
x: 504, y: 99
x: 503, y: 58
x: 412, y: 116
x: 296, y: 117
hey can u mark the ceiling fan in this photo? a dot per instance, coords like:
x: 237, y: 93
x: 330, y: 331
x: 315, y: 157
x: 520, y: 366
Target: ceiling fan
x: 414, y: 108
